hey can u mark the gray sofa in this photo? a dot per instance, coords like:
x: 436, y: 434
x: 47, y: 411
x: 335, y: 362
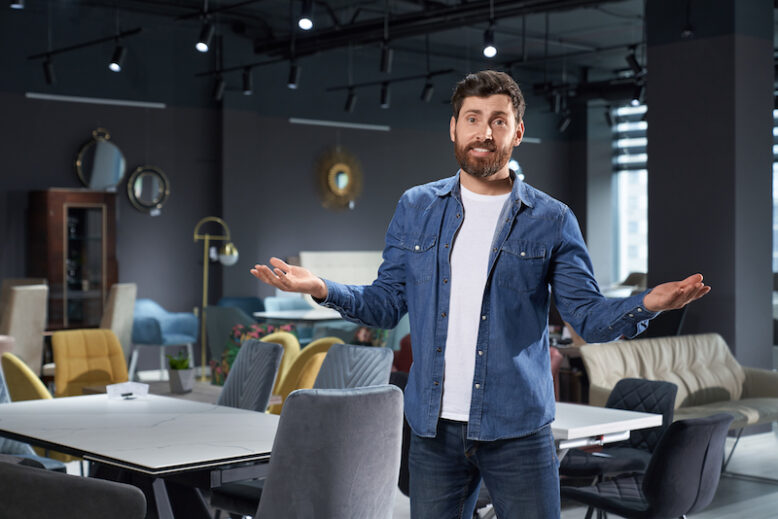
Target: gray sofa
x: 709, y: 378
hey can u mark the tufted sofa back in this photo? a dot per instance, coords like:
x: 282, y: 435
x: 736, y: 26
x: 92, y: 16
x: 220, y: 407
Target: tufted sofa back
x: 702, y: 367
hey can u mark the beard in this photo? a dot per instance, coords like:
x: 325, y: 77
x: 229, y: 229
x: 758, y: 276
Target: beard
x: 481, y: 167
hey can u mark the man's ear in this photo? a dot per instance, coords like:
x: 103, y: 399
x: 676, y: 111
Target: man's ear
x: 452, y: 127
x: 519, y: 134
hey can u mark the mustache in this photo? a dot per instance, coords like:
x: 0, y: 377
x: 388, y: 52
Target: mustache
x: 487, y: 145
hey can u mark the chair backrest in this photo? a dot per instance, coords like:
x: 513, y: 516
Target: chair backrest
x: 33, y: 492
x: 647, y: 396
x: 8, y: 283
x: 683, y: 474
x: 252, y: 376
x: 299, y: 373
x: 118, y: 313
x: 8, y: 446
x: 347, y: 365
x: 86, y: 358
x: 23, y: 384
x: 24, y: 318
x: 327, y: 460
x: 148, y: 308
x: 219, y: 321
x: 291, y: 351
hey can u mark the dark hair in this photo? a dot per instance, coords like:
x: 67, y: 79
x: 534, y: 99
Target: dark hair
x: 487, y: 83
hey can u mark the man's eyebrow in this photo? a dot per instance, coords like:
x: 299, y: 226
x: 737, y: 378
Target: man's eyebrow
x: 492, y: 114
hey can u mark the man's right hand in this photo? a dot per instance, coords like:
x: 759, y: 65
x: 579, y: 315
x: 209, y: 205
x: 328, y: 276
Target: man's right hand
x: 290, y: 278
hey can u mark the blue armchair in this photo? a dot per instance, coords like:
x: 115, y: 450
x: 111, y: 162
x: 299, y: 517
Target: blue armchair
x: 248, y: 304
x: 153, y: 326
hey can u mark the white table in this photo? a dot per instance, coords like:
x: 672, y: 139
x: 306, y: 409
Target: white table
x: 578, y: 425
x: 155, y: 438
x: 312, y: 315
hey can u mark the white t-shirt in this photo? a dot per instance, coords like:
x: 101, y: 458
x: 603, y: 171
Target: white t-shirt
x: 469, y: 265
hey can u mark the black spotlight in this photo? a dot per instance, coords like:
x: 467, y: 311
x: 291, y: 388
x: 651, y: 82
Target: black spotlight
x: 427, y: 92
x: 385, y: 95
x: 48, y: 71
x: 248, y: 87
x: 206, y: 35
x: 386, y: 58
x: 117, y: 58
x: 564, y: 122
x: 305, y: 22
x: 637, y: 95
x: 294, y: 76
x: 490, y: 50
x: 351, y: 101
x: 218, y: 88
x: 17, y: 4
x: 632, y: 61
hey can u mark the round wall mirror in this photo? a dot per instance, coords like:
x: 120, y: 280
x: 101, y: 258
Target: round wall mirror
x: 100, y: 164
x: 148, y: 189
x: 339, y: 178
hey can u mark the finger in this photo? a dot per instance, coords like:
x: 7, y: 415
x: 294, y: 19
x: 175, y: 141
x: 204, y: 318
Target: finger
x: 283, y: 279
x: 278, y: 263
x: 265, y: 275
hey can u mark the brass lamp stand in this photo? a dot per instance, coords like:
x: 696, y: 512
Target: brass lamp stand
x: 228, y: 256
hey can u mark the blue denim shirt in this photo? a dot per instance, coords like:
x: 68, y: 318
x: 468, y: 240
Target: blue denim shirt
x: 537, y: 247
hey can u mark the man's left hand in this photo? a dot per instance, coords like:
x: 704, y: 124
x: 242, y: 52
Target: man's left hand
x: 676, y: 294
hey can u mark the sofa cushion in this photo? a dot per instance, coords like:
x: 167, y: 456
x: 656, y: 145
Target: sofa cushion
x: 748, y: 411
x: 702, y: 366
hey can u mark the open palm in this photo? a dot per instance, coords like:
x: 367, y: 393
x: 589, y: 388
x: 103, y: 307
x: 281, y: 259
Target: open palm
x: 290, y: 278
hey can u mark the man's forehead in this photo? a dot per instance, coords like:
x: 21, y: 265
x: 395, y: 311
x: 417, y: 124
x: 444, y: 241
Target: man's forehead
x: 491, y: 103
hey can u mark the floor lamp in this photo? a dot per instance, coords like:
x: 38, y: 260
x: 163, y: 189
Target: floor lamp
x: 228, y: 256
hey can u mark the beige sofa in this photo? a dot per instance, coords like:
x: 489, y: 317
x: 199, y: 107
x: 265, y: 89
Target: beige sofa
x: 708, y: 377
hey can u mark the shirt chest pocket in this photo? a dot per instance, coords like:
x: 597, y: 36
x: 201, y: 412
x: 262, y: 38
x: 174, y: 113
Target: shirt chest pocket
x: 522, y: 265
x: 420, y: 257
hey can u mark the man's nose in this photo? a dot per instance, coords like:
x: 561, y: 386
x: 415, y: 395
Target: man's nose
x: 485, y: 132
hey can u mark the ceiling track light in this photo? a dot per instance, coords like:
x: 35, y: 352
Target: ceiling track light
x: 117, y: 58
x: 206, y: 35
x: 351, y: 101
x: 294, y: 76
x: 385, y: 95
x: 490, y: 50
x: 427, y: 91
x: 48, y: 71
x: 637, y: 96
x: 386, y: 58
x: 17, y: 4
x: 565, y: 122
x: 305, y: 22
x: 218, y: 88
x: 248, y: 86
x: 632, y: 61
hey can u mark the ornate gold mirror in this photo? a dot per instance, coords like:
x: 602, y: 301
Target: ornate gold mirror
x: 100, y: 164
x: 148, y: 189
x: 339, y: 178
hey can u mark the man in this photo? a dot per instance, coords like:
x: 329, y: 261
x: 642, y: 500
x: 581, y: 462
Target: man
x: 471, y: 259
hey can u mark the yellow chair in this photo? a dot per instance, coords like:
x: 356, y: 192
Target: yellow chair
x: 23, y: 384
x: 310, y: 371
x: 294, y: 378
x: 86, y: 358
x: 291, y: 351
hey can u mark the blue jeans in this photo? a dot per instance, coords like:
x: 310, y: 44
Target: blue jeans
x: 522, y: 474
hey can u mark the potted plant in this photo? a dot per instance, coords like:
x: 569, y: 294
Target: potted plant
x: 180, y: 373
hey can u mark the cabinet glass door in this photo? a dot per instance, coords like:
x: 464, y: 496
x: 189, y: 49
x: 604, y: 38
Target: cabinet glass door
x: 84, y: 265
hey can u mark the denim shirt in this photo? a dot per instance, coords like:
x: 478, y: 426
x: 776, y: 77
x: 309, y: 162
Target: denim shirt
x: 537, y: 250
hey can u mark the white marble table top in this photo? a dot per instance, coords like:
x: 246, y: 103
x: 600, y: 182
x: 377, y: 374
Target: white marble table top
x: 314, y: 314
x: 576, y: 421
x: 153, y: 434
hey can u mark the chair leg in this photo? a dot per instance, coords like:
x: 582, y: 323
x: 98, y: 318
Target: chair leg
x: 133, y: 364
x: 589, y: 512
x: 190, y: 353
x: 732, y: 451
x: 162, y: 369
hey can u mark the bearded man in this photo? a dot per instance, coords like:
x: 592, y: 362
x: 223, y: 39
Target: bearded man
x: 474, y: 260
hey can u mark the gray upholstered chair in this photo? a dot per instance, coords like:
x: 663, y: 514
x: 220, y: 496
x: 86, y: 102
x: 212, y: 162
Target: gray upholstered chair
x: 22, y: 450
x: 252, y: 376
x: 24, y: 319
x: 336, y: 454
x: 118, y: 314
x: 33, y: 492
x: 347, y: 365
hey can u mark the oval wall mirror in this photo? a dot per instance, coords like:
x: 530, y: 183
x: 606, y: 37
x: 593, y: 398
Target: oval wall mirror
x: 100, y: 164
x: 340, y: 179
x: 148, y: 189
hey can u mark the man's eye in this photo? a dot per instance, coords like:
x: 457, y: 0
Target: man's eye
x: 499, y: 122
x: 471, y: 119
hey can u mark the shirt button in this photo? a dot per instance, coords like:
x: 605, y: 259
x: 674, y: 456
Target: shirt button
x: 458, y: 215
x: 416, y: 247
x: 445, y: 280
x: 438, y: 349
x: 640, y: 309
x: 480, y: 352
x: 446, y: 245
x: 435, y: 383
x: 494, y: 249
x: 478, y: 386
x: 443, y: 314
x: 632, y: 315
x: 483, y: 318
x: 523, y: 254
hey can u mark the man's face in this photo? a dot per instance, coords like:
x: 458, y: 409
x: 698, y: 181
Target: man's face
x: 485, y: 134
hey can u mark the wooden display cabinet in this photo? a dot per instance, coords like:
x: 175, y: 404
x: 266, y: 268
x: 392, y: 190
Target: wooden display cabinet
x: 72, y: 243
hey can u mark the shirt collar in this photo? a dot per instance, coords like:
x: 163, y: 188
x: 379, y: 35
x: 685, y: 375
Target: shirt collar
x: 520, y: 191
